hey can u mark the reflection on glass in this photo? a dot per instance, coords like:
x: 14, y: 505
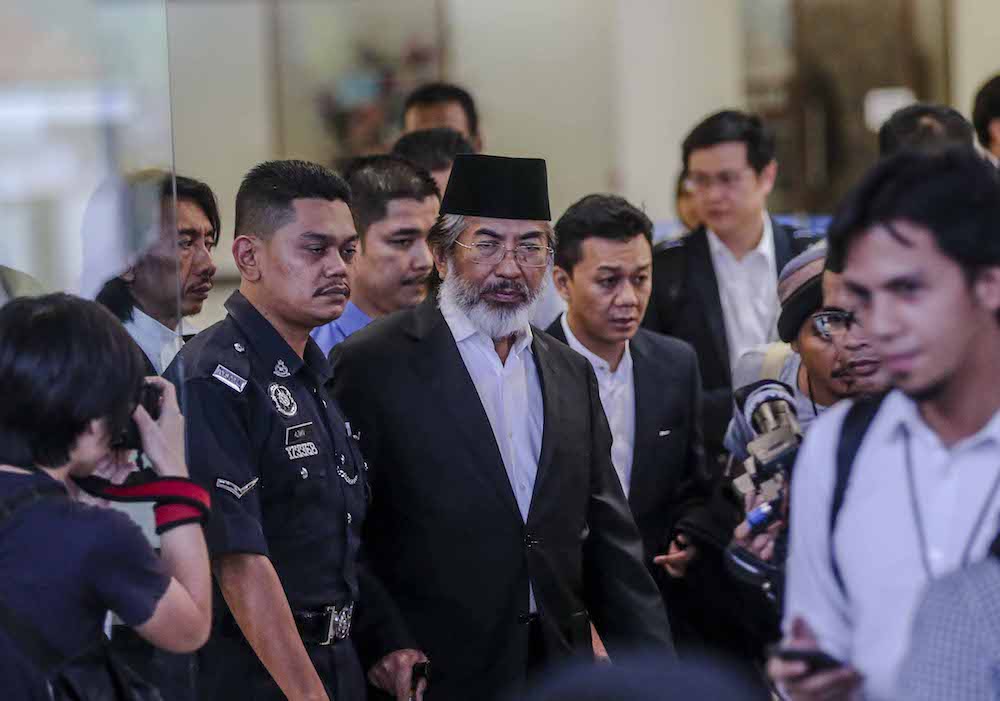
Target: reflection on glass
x: 83, y: 98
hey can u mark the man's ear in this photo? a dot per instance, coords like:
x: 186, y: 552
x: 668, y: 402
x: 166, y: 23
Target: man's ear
x: 562, y: 280
x: 247, y: 254
x: 768, y: 176
x: 987, y: 288
x: 994, y: 130
x: 441, y: 263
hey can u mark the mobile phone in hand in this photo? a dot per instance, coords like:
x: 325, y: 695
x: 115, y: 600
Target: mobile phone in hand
x: 816, y: 660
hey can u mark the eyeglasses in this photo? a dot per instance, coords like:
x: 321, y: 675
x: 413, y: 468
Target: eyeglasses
x: 727, y: 180
x: 530, y: 255
x: 834, y: 323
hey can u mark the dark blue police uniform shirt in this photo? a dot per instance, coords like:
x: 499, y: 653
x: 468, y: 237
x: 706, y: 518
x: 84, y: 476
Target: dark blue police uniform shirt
x: 63, y: 566
x: 264, y: 437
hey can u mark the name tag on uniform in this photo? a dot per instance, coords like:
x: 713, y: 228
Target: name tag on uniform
x: 299, y: 434
x: 229, y: 378
x: 301, y: 450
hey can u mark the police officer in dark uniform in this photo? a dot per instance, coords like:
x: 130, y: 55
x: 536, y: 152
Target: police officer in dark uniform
x: 284, y: 470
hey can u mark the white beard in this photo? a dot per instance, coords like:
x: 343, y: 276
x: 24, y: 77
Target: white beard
x: 456, y: 293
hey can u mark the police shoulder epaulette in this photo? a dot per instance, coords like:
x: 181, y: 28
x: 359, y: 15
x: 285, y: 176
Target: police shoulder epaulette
x: 222, y: 355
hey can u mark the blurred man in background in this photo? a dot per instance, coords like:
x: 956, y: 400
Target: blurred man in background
x: 924, y: 126
x: 172, y: 277
x: 716, y: 288
x: 394, y: 204
x: 986, y: 117
x: 434, y: 150
x: 443, y: 105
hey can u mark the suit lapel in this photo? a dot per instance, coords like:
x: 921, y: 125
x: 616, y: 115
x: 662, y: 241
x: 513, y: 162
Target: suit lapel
x: 706, y: 285
x: 549, y: 378
x: 782, y: 245
x: 646, y: 420
x: 441, y: 365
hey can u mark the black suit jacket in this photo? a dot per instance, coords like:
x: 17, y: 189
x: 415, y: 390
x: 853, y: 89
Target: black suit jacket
x: 671, y: 484
x: 686, y: 304
x: 444, y: 532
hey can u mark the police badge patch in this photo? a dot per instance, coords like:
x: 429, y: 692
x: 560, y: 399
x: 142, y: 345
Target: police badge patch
x: 282, y: 399
x: 281, y: 370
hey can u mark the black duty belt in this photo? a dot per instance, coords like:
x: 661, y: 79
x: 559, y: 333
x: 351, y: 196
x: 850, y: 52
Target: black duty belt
x: 324, y: 626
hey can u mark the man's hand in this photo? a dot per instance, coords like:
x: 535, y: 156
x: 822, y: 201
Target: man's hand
x: 163, y: 439
x: 794, y: 678
x: 393, y: 674
x: 679, y: 555
x: 760, y: 545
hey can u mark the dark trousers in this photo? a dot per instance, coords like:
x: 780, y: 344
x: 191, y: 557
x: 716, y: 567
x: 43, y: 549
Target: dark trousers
x: 229, y: 669
x: 173, y: 674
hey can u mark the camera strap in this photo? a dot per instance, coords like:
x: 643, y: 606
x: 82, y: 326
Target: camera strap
x: 859, y: 417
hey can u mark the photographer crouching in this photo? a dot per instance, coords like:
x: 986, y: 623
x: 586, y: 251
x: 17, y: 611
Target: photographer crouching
x: 74, y: 393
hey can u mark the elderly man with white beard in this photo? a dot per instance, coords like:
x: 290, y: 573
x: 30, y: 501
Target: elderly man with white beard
x: 498, y: 523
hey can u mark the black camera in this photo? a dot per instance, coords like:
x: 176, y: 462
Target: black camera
x: 150, y: 397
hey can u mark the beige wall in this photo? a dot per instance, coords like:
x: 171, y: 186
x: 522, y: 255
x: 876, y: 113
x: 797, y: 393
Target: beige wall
x: 676, y: 63
x: 220, y: 65
x: 543, y: 74
x: 975, y: 26
x: 603, y: 89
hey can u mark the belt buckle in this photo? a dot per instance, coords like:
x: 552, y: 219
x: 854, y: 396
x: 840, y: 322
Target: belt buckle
x: 339, y: 626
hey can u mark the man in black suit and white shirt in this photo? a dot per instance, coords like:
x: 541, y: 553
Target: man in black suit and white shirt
x: 651, y: 391
x: 498, y: 522
x: 716, y: 288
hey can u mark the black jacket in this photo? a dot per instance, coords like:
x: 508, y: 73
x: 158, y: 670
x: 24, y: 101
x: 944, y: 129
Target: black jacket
x: 671, y: 484
x: 444, y: 532
x: 674, y: 489
x: 686, y: 304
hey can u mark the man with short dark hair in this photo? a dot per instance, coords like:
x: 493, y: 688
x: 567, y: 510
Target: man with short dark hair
x: 919, y: 495
x: 178, y: 261
x: 650, y: 389
x: 394, y: 204
x: 443, y: 105
x: 926, y: 126
x: 986, y: 117
x: 716, y: 288
x: 288, y: 483
x: 498, y: 522
x: 434, y: 150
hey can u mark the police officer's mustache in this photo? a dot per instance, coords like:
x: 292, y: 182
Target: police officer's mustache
x: 338, y: 288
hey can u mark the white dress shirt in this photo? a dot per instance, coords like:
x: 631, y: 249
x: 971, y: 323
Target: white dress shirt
x: 877, y: 542
x: 617, y: 391
x: 511, y: 395
x: 748, y: 291
x: 159, y: 343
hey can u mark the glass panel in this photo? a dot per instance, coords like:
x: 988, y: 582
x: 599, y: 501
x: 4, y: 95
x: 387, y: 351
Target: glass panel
x: 85, y: 106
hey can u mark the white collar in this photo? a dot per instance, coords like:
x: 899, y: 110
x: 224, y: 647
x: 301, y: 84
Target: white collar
x: 624, y: 367
x: 764, y: 247
x: 902, y: 411
x: 463, y: 329
x: 150, y: 327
